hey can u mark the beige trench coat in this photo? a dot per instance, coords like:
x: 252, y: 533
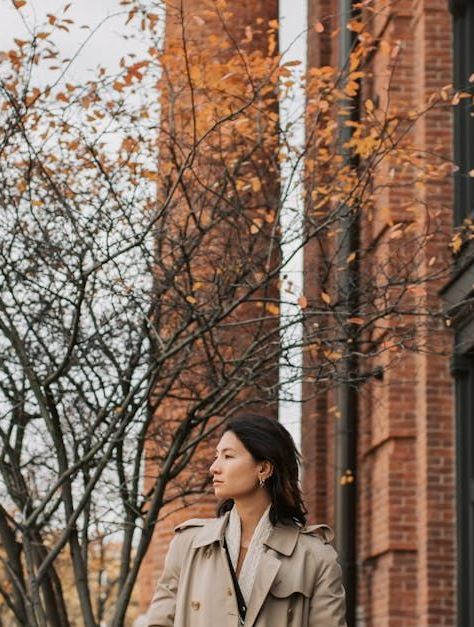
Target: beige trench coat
x: 298, y: 582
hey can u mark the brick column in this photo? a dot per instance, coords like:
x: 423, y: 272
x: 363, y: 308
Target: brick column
x: 219, y: 26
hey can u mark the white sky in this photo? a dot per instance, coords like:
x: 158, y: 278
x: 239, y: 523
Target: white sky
x: 105, y: 47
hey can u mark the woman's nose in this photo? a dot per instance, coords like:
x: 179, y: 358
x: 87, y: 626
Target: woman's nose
x: 214, y: 468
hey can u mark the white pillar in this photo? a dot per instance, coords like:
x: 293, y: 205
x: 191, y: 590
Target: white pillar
x: 293, y: 47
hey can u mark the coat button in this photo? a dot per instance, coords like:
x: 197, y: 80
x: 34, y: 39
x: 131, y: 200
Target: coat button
x: 229, y: 592
x: 195, y: 605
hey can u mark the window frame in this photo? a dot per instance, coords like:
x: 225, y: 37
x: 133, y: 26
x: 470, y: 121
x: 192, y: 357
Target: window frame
x: 463, y: 65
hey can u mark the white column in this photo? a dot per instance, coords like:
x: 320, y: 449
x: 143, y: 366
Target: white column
x: 293, y: 47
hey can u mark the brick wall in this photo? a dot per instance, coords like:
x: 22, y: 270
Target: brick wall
x: 406, y: 494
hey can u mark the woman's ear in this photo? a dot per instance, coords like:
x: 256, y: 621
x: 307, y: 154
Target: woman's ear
x: 266, y: 469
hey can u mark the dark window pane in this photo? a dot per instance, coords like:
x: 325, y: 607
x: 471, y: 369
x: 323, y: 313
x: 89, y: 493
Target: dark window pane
x: 463, y: 53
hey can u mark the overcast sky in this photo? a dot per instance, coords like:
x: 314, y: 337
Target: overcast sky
x: 105, y: 47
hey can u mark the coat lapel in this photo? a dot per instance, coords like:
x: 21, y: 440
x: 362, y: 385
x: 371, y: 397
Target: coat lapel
x: 282, y: 540
x: 266, y: 573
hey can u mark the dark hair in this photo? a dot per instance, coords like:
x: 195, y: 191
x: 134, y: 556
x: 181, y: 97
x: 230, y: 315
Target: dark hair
x: 267, y: 439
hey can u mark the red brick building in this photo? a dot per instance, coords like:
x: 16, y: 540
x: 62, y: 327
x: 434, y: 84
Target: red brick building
x: 405, y: 523
x: 402, y: 556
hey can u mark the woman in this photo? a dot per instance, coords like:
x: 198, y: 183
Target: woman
x: 257, y: 563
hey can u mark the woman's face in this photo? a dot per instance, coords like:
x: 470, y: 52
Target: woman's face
x: 234, y: 471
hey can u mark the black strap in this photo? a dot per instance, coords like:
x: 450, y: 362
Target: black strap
x: 238, y: 592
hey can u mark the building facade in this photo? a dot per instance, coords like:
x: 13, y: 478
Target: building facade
x: 405, y: 521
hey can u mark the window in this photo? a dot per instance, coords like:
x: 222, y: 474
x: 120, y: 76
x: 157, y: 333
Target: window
x: 463, y: 53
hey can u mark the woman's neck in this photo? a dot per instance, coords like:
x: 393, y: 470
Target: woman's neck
x: 250, y: 511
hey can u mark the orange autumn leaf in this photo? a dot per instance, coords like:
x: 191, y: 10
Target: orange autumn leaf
x: 256, y: 184
x: 273, y: 309
x: 356, y: 26
x: 355, y: 320
x: 150, y: 175
x: 303, y: 301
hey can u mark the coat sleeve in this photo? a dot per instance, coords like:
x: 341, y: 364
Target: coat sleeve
x: 328, y: 604
x: 163, y: 604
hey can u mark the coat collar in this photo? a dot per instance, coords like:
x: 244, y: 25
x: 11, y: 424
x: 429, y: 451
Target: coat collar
x: 282, y: 539
x: 212, y: 531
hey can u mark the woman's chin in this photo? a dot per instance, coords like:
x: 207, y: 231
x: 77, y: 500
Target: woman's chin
x: 221, y: 493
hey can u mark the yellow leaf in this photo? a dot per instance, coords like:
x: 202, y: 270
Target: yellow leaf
x: 43, y: 35
x: 369, y: 105
x: 191, y: 300
x: 326, y: 298
x: 256, y: 184
x: 273, y: 309
x: 19, y: 3
x: 351, y: 257
x: 273, y: 24
x: 456, y: 243
x: 332, y: 355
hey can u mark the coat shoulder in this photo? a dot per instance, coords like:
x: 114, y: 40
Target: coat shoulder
x: 323, y: 532
x: 192, y: 523
x: 317, y: 539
